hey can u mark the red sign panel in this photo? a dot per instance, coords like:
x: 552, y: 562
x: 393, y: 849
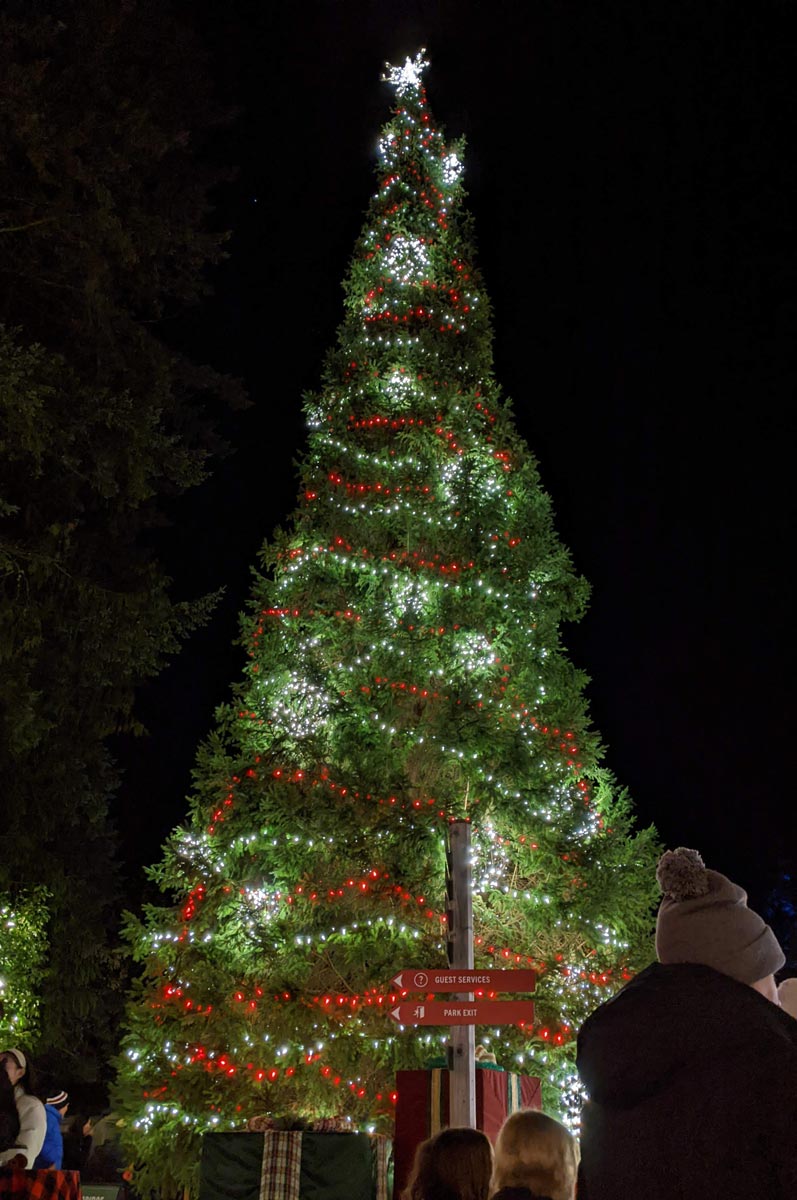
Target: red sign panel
x: 457, y: 980
x: 464, y: 1012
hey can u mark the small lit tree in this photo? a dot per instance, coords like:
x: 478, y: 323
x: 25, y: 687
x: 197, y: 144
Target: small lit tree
x: 23, y: 952
x: 405, y: 669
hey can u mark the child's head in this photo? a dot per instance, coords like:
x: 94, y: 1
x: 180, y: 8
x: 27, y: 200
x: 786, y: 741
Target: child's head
x: 535, y: 1151
x: 455, y: 1164
x: 58, y: 1099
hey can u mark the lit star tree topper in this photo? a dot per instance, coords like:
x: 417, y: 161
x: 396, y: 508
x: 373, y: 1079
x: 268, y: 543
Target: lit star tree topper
x: 407, y: 78
x: 404, y: 669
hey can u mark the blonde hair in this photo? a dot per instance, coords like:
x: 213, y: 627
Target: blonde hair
x: 455, y: 1164
x: 537, y: 1152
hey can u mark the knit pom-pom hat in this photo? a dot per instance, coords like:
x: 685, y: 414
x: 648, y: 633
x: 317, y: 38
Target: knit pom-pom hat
x: 704, y: 918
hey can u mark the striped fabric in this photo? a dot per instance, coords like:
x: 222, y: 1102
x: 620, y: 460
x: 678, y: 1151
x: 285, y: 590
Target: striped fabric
x: 513, y: 1099
x: 382, y: 1150
x: 281, y: 1168
x: 436, y: 1102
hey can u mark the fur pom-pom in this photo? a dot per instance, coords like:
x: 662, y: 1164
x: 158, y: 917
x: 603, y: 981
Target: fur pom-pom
x: 682, y: 874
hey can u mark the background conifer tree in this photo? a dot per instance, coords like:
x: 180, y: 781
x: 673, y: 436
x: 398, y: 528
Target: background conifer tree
x: 105, y: 239
x: 404, y: 669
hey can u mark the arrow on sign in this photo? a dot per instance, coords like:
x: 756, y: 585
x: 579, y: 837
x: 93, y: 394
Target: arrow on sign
x: 464, y: 1012
x: 453, y: 980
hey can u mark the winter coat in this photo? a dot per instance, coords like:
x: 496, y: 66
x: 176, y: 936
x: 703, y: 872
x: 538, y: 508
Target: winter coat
x: 692, y: 1079
x: 32, y: 1127
x: 52, y: 1151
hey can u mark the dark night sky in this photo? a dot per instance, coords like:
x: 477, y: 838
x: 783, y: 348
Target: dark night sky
x: 630, y: 168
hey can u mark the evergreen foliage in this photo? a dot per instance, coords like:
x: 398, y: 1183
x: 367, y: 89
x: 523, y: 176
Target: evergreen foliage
x: 103, y: 236
x: 405, y: 668
x: 23, y: 950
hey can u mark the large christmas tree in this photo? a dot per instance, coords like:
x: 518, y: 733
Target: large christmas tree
x: 405, y: 670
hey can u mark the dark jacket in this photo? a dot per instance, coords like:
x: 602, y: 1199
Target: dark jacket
x: 692, y: 1079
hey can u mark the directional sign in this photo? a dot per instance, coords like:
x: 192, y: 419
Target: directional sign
x: 454, y: 980
x: 463, y: 1012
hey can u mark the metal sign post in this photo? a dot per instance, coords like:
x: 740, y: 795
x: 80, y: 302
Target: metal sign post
x: 462, y: 1045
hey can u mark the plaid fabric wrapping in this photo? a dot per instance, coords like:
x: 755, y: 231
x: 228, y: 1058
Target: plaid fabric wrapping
x: 282, y: 1163
x: 293, y: 1165
x: 40, y: 1185
x: 382, y: 1149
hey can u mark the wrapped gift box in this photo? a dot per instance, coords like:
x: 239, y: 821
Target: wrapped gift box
x: 295, y: 1166
x: 422, y: 1108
